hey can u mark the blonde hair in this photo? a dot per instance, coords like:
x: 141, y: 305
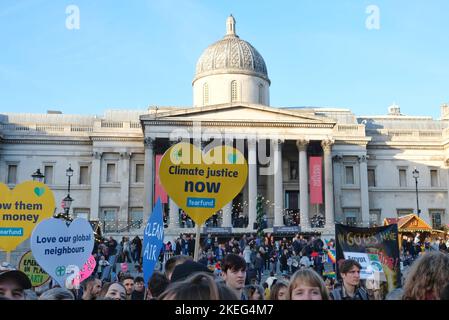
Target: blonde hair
x: 310, y: 278
x: 428, y: 275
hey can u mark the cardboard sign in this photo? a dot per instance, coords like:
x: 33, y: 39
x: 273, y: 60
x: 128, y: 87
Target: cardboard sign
x: 62, y: 250
x: 153, y: 238
x: 201, y: 184
x: 371, y: 266
x: 33, y: 270
x: 21, y: 210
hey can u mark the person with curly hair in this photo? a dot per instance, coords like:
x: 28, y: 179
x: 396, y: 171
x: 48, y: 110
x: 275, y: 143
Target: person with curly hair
x: 427, y: 277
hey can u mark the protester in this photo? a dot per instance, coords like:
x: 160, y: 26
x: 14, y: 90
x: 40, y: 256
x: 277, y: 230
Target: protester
x: 13, y: 283
x: 234, y: 273
x: 198, y: 286
x: 91, y: 289
x: 254, y: 292
x: 57, y: 294
x: 139, y: 289
x: 427, y: 277
x: 128, y: 283
x: 113, y: 291
x: 156, y: 285
x: 171, y: 263
x: 189, y: 267
x: 307, y: 285
x: 350, y: 289
x: 279, y: 291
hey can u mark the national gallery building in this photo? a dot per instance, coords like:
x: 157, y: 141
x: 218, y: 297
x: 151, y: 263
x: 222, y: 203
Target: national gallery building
x: 363, y: 168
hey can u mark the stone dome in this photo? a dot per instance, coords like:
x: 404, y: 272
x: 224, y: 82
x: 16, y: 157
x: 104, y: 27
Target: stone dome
x: 231, y: 55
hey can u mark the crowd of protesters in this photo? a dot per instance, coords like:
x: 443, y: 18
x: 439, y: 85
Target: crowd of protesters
x: 244, y: 268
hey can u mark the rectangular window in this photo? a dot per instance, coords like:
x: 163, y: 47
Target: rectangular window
x: 12, y: 174
x: 139, y: 173
x: 110, y: 172
x: 48, y: 173
x: 374, y: 218
x: 136, y: 218
x: 371, y: 178
x: 402, y: 177
x: 349, y: 175
x: 109, y: 219
x: 291, y: 199
x: 293, y: 170
x: 434, y: 178
x: 351, y: 216
x: 84, y: 175
x: 437, y: 217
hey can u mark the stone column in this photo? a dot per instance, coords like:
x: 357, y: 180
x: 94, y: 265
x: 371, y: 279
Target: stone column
x: 446, y: 215
x: 364, y: 196
x: 328, y: 184
x: 337, y: 186
x: 303, y: 184
x: 252, y: 183
x: 174, y: 214
x: 95, y: 177
x: 124, y: 189
x: 227, y: 215
x: 149, y: 178
x: 278, y: 187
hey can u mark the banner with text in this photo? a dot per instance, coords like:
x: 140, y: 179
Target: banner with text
x: 153, y: 238
x: 376, y: 249
x: 159, y: 191
x: 316, y: 180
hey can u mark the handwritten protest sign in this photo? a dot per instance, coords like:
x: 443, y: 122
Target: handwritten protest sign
x: 21, y: 210
x: 199, y: 183
x: 376, y: 249
x: 86, y: 270
x: 153, y: 238
x: 62, y: 250
x: 33, y: 270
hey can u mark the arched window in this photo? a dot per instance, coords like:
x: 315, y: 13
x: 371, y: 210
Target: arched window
x: 233, y: 91
x: 261, y: 94
x: 205, y: 94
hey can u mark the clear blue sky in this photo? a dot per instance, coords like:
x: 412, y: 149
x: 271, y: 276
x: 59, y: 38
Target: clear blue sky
x: 132, y: 54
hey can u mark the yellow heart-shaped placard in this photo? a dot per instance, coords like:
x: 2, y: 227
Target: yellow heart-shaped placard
x: 201, y: 184
x: 21, y: 210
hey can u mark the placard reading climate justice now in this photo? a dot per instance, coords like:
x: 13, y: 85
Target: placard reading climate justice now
x: 202, y: 183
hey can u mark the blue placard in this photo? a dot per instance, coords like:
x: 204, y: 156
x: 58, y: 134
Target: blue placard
x: 153, y: 238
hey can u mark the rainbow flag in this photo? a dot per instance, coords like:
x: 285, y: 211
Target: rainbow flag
x: 331, y: 256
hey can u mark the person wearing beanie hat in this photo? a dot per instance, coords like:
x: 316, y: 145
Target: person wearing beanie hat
x: 13, y: 283
x: 182, y: 271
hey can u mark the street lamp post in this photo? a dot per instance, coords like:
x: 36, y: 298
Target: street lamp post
x: 416, y: 176
x: 68, y: 200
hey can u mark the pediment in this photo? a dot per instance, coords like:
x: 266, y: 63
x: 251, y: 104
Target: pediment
x: 241, y: 112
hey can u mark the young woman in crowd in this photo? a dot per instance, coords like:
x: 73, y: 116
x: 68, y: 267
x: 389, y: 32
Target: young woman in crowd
x: 279, y: 291
x: 306, y: 284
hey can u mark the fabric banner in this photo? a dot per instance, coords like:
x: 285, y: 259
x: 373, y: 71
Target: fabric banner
x: 159, y: 189
x: 316, y: 180
x: 376, y: 249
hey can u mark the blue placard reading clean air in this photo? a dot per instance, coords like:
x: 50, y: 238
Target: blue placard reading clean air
x: 11, y: 232
x: 153, y: 238
x: 201, y: 202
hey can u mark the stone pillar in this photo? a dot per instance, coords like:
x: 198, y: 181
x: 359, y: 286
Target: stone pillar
x: 252, y: 183
x: 364, y: 196
x: 338, y: 169
x: 328, y: 184
x: 124, y: 189
x: 278, y: 187
x: 174, y: 214
x: 227, y: 215
x: 303, y: 184
x: 446, y: 215
x: 95, y: 177
x: 149, y: 178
